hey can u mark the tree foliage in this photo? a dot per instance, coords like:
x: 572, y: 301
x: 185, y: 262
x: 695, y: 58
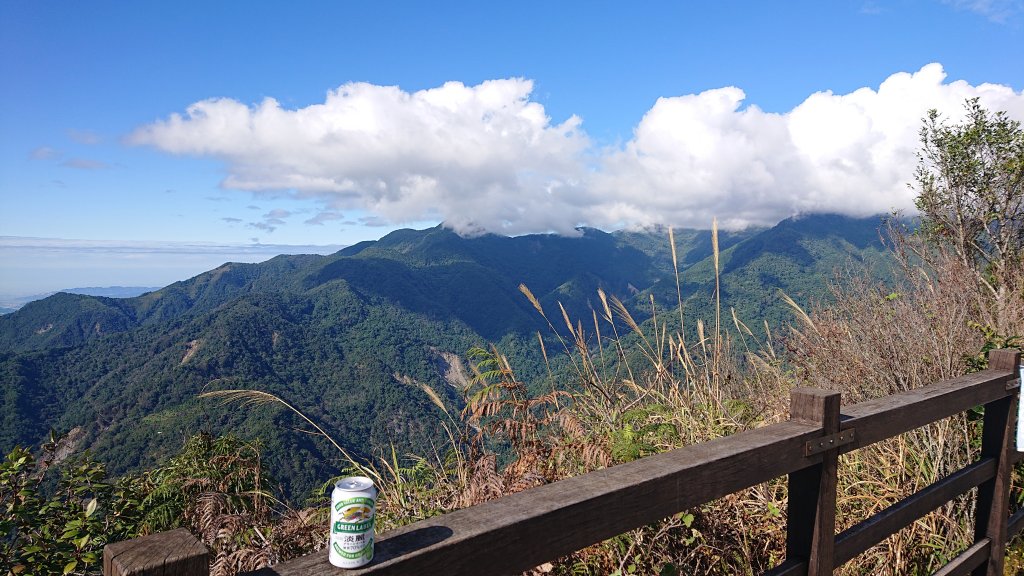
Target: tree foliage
x: 58, y: 515
x: 62, y: 530
x: 342, y: 337
x: 970, y: 184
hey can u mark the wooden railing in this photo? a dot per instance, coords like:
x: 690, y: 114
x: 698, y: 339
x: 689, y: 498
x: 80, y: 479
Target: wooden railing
x: 515, y: 533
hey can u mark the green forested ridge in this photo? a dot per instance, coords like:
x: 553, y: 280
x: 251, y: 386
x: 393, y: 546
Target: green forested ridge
x: 346, y: 337
x: 799, y: 256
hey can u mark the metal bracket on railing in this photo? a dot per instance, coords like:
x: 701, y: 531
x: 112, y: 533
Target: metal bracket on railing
x: 826, y: 443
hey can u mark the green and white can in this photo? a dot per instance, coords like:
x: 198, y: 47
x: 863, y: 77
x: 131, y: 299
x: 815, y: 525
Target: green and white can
x: 353, y: 511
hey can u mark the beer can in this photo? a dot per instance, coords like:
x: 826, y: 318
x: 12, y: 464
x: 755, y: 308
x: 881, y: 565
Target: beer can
x: 353, y: 510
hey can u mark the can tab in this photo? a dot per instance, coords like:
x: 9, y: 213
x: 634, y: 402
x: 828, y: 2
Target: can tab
x: 826, y: 443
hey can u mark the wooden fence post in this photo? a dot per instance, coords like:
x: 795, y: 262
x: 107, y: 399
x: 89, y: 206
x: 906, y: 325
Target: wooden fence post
x: 993, y: 504
x: 811, y: 511
x: 176, y: 552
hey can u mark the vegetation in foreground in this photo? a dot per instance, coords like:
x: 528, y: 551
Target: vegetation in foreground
x: 638, y: 389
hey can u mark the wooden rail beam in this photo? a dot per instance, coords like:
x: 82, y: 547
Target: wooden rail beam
x: 858, y: 539
x: 176, y: 552
x: 523, y: 530
x: 968, y: 560
x: 520, y: 531
x: 881, y: 418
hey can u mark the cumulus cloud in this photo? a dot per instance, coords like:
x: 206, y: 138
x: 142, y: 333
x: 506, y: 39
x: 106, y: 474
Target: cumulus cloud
x: 477, y: 156
x: 698, y: 156
x: 487, y: 158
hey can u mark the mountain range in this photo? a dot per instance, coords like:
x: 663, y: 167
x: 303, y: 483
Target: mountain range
x: 9, y: 304
x: 347, y: 338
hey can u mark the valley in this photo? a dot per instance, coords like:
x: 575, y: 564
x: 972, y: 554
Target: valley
x: 349, y: 338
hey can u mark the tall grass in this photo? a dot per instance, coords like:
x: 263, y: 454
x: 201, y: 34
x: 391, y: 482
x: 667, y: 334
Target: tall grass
x: 879, y: 339
x: 630, y: 389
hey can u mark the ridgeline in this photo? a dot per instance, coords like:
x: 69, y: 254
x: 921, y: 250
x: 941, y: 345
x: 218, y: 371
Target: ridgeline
x: 346, y: 338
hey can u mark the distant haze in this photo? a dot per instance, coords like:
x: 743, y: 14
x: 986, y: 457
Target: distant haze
x: 112, y: 291
x: 36, y: 266
x: 12, y: 303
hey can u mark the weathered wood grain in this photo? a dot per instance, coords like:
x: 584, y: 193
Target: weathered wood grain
x: 1004, y: 359
x: 176, y: 552
x: 811, y: 509
x: 520, y: 531
x: 882, y: 418
x: 994, y: 494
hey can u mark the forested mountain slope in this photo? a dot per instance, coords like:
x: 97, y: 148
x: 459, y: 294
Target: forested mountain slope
x: 346, y: 337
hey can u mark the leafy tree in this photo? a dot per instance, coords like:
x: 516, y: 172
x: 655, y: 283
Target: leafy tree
x: 970, y: 184
x: 62, y: 532
x: 215, y: 486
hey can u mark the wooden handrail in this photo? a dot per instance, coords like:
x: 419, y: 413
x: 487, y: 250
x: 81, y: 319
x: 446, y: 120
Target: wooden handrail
x: 517, y: 532
x: 172, y: 552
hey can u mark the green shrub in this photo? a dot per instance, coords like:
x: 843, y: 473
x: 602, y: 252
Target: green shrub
x: 59, y: 526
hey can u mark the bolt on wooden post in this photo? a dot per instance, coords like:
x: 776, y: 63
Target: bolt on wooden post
x: 811, y: 511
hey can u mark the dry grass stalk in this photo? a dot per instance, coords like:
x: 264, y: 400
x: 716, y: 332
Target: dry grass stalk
x: 872, y: 341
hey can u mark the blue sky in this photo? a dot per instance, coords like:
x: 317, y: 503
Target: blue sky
x: 147, y: 142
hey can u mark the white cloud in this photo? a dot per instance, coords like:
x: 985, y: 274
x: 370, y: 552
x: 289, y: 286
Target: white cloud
x: 474, y: 155
x: 486, y: 157
x: 999, y: 11
x: 700, y: 156
x: 325, y: 216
